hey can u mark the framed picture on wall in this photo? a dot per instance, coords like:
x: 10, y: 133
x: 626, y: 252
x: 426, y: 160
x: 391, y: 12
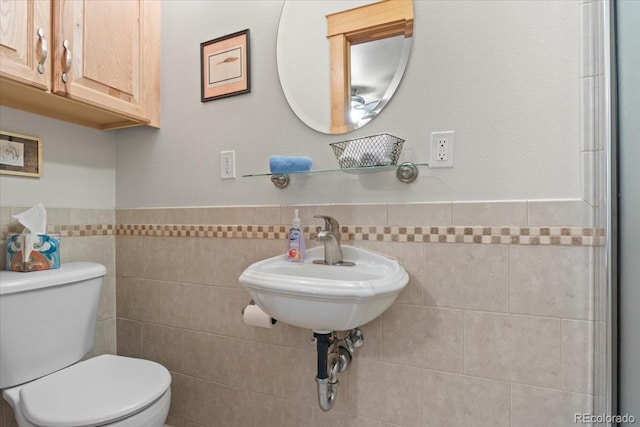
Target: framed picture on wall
x: 224, y: 66
x: 20, y: 155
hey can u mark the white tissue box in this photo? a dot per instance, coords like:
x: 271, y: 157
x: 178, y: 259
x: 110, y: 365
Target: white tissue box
x: 43, y: 255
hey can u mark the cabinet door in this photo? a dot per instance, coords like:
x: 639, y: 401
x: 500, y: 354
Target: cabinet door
x: 21, y: 47
x: 103, y: 55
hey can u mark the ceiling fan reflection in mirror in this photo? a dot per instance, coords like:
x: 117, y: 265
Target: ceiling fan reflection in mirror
x: 378, y: 48
x: 362, y: 111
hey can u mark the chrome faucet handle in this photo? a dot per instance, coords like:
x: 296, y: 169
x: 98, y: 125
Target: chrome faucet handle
x: 330, y: 224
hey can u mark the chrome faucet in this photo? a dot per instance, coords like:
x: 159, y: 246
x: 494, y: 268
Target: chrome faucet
x: 330, y: 236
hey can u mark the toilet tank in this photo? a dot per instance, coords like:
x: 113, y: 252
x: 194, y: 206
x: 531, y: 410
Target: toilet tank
x: 47, y: 319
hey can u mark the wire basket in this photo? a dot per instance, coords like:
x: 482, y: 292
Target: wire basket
x: 375, y: 150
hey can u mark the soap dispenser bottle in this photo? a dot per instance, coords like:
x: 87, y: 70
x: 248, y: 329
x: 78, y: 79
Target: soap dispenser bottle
x: 296, y: 251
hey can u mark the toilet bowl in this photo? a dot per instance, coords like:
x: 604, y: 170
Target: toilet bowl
x: 47, y: 319
x: 106, y: 390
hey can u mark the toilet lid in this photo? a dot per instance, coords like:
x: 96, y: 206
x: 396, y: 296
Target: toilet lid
x: 94, y: 392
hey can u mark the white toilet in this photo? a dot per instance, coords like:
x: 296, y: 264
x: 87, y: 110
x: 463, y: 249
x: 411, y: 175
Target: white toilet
x: 47, y: 323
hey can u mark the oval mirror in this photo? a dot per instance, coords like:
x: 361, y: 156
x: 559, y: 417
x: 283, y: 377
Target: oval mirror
x: 340, y: 62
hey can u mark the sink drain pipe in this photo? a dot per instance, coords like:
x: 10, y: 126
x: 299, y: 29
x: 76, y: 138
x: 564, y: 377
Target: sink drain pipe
x: 327, y: 378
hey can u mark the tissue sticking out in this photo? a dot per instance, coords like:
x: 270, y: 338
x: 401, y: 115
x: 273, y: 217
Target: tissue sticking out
x: 34, y: 219
x: 33, y: 250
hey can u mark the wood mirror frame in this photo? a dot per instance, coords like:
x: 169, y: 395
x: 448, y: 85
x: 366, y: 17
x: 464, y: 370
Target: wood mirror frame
x: 371, y: 22
x: 375, y: 68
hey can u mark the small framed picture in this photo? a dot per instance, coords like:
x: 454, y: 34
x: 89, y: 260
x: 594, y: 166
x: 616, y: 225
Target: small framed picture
x: 224, y: 65
x: 20, y: 155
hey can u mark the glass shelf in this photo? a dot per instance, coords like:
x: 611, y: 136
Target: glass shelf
x: 406, y: 172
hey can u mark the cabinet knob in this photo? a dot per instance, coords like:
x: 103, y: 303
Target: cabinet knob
x: 67, y: 61
x: 44, y: 51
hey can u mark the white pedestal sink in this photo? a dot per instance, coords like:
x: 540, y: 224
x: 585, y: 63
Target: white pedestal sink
x: 325, y: 298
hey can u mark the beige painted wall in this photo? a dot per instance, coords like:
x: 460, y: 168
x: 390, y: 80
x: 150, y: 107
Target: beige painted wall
x: 503, y: 75
x: 78, y: 170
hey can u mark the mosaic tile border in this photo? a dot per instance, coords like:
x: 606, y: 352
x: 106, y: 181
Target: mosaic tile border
x: 564, y: 236
x: 67, y: 230
x: 557, y: 236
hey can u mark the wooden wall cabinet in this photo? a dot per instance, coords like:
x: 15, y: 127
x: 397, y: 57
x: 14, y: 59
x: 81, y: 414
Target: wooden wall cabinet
x: 99, y: 60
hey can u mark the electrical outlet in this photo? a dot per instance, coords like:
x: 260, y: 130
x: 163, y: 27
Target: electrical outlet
x: 442, y: 149
x: 227, y: 164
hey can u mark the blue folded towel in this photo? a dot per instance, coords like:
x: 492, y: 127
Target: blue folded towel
x: 285, y: 164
